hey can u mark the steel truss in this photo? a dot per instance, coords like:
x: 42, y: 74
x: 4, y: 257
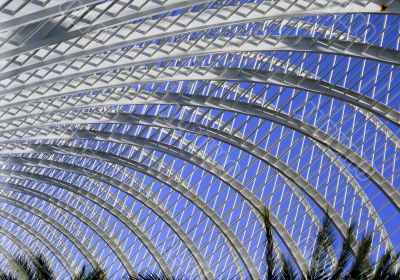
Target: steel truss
x: 151, y: 134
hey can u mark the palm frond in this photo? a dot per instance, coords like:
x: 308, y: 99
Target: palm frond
x: 325, y: 239
x: 288, y: 272
x: 82, y: 273
x: 24, y: 269
x: 96, y: 273
x: 394, y: 275
x: 43, y: 270
x: 153, y: 276
x: 345, y: 254
x: 270, y: 257
x: 386, y: 265
x: 7, y: 276
x: 362, y: 268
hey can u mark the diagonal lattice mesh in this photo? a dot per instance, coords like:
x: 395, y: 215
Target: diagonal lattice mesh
x: 150, y: 134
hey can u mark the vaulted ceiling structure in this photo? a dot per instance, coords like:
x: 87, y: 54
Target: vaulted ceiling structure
x: 149, y: 134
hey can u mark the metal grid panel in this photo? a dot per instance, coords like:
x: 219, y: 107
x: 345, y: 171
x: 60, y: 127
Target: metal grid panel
x: 149, y: 134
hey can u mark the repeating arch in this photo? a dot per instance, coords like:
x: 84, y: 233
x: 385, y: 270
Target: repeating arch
x: 137, y: 195
x: 225, y: 137
x: 18, y: 242
x: 155, y: 206
x: 31, y: 230
x: 217, y: 74
x: 244, y: 192
x: 100, y: 202
x: 213, y: 169
x: 355, y: 185
x: 189, y: 194
x: 259, y: 11
x: 165, y: 95
x: 285, y: 120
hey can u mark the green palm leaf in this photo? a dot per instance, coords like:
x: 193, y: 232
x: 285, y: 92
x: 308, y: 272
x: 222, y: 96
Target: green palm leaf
x: 270, y: 257
x: 325, y: 239
x: 288, y: 272
x: 95, y: 274
x: 25, y: 270
x: 153, y: 276
x: 345, y: 254
x: 386, y: 266
x: 362, y: 268
x: 43, y: 270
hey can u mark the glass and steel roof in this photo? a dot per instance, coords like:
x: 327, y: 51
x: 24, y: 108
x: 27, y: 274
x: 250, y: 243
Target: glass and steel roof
x: 149, y: 134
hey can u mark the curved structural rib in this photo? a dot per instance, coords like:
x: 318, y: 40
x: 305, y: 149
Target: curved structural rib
x: 141, y: 197
x: 179, y: 153
x: 149, y: 202
x: 285, y: 120
x: 43, y: 239
x: 231, y: 139
x: 163, y: 95
x: 187, y: 49
x: 142, y: 120
x: 110, y: 241
x: 216, y: 74
x: 126, y: 99
x: 183, y: 191
x: 246, y: 194
x: 281, y: 167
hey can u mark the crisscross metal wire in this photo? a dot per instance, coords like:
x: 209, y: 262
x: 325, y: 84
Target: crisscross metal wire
x: 149, y: 134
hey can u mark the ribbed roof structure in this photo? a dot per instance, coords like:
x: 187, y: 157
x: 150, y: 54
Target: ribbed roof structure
x: 149, y: 134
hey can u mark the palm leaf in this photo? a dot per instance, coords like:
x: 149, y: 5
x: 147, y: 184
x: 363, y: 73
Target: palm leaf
x: 345, y: 254
x: 386, y: 265
x: 152, y: 276
x: 320, y: 255
x: 394, y: 275
x: 288, y: 272
x: 82, y: 273
x: 362, y: 268
x: 43, y: 270
x: 24, y: 268
x: 270, y: 257
x: 7, y: 276
x: 95, y: 274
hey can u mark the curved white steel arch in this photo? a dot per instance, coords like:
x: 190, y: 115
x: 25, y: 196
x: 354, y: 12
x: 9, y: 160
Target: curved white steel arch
x: 142, y: 120
x: 30, y: 229
x: 192, y: 196
x: 93, y: 174
x: 203, y: 129
x: 11, y: 187
x: 281, y: 167
x: 184, y: 155
x: 187, y: 49
x: 109, y: 240
x: 18, y: 242
x: 218, y: 74
x: 57, y: 202
x: 52, y: 222
x: 377, y: 123
x: 47, y: 45
x: 353, y: 182
x: 9, y: 257
x: 220, y: 135
x: 23, y: 247
x: 285, y: 120
x: 260, y: 11
x: 155, y: 206
x: 356, y: 186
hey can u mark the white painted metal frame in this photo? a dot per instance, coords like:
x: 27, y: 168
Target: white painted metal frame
x: 169, y: 114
